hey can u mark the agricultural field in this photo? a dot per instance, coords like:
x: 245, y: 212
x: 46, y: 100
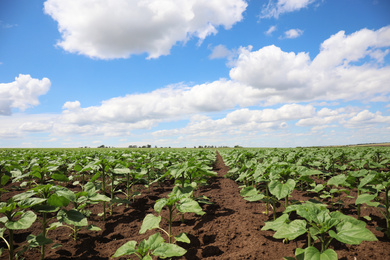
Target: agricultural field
x: 295, y: 203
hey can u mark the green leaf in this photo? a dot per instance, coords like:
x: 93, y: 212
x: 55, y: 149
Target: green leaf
x: 160, y: 204
x: 72, y: 217
x: 255, y: 197
x: 127, y: 248
x: 276, y: 224
x: 312, y: 253
x: 169, y: 250
x: 338, y: 180
x: 24, y: 222
x: 365, y: 198
x: 30, y: 202
x: 99, y: 197
x: 150, y: 222
x: 59, y: 177
x: 248, y: 191
x: 121, y: 170
x: 351, y: 234
x: 154, y: 241
x: 190, y: 205
x: 291, y: 230
x: 57, y: 201
x: 93, y: 228
x: 300, y: 253
x: 281, y: 190
x: 182, y: 237
x: 78, y: 168
x: 40, y: 240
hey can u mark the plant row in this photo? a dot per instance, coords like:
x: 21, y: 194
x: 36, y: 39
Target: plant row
x: 58, y: 187
x: 326, y: 175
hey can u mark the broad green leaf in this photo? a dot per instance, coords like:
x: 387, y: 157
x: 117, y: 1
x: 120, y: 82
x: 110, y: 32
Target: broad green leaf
x: 365, y: 198
x: 57, y: 201
x: 248, y: 191
x: 78, y: 168
x: 256, y: 197
x: 281, y: 190
x: 127, y: 248
x: 276, y: 224
x: 72, y: 217
x: 351, y: 234
x: 338, y: 180
x: 121, y: 170
x: 150, y: 222
x: 99, y: 197
x: 300, y: 253
x: 59, y: 177
x: 182, y: 192
x: 40, y: 240
x: 291, y: 230
x: 190, y: 205
x: 166, y: 250
x: 25, y: 221
x: 30, y: 202
x: 312, y: 253
x: 147, y: 257
x: 45, y: 208
x: 367, y: 179
x: 182, y: 237
x: 154, y: 241
x: 54, y: 225
x: 308, y: 210
x: 68, y: 194
x: 160, y: 204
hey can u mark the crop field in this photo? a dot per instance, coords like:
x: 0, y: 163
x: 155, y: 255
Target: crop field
x: 244, y: 203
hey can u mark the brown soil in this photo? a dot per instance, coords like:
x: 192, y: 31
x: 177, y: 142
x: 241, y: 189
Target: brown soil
x: 230, y: 229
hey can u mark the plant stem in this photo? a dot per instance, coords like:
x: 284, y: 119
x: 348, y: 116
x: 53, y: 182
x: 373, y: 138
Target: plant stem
x: 170, y: 209
x: 44, y: 224
x: 387, y: 205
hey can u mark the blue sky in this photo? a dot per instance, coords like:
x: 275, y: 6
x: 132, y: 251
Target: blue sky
x: 278, y: 73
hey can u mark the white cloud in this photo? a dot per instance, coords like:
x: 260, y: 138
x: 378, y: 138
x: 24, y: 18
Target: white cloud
x: 366, y: 119
x: 220, y: 51
x: 107, y: 29
x: 271, y: 29
x: 22, y: 93
x: 274, y: 8
x: 243, y: 121
x: 170, y: 103
x: 292, y: 33
x: 289, y: 77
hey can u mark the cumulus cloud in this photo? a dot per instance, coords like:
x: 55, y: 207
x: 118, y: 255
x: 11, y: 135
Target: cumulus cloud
x: 332, y: 75
x: 22, y: 93
x: 274, y: 8
x: 169, y: 103
x: 366, y: 118
x: 243, y: 121
x: 107, y: 29
x: 292, y: 33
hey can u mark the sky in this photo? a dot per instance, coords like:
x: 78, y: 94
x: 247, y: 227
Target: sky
x: 185, y: 73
